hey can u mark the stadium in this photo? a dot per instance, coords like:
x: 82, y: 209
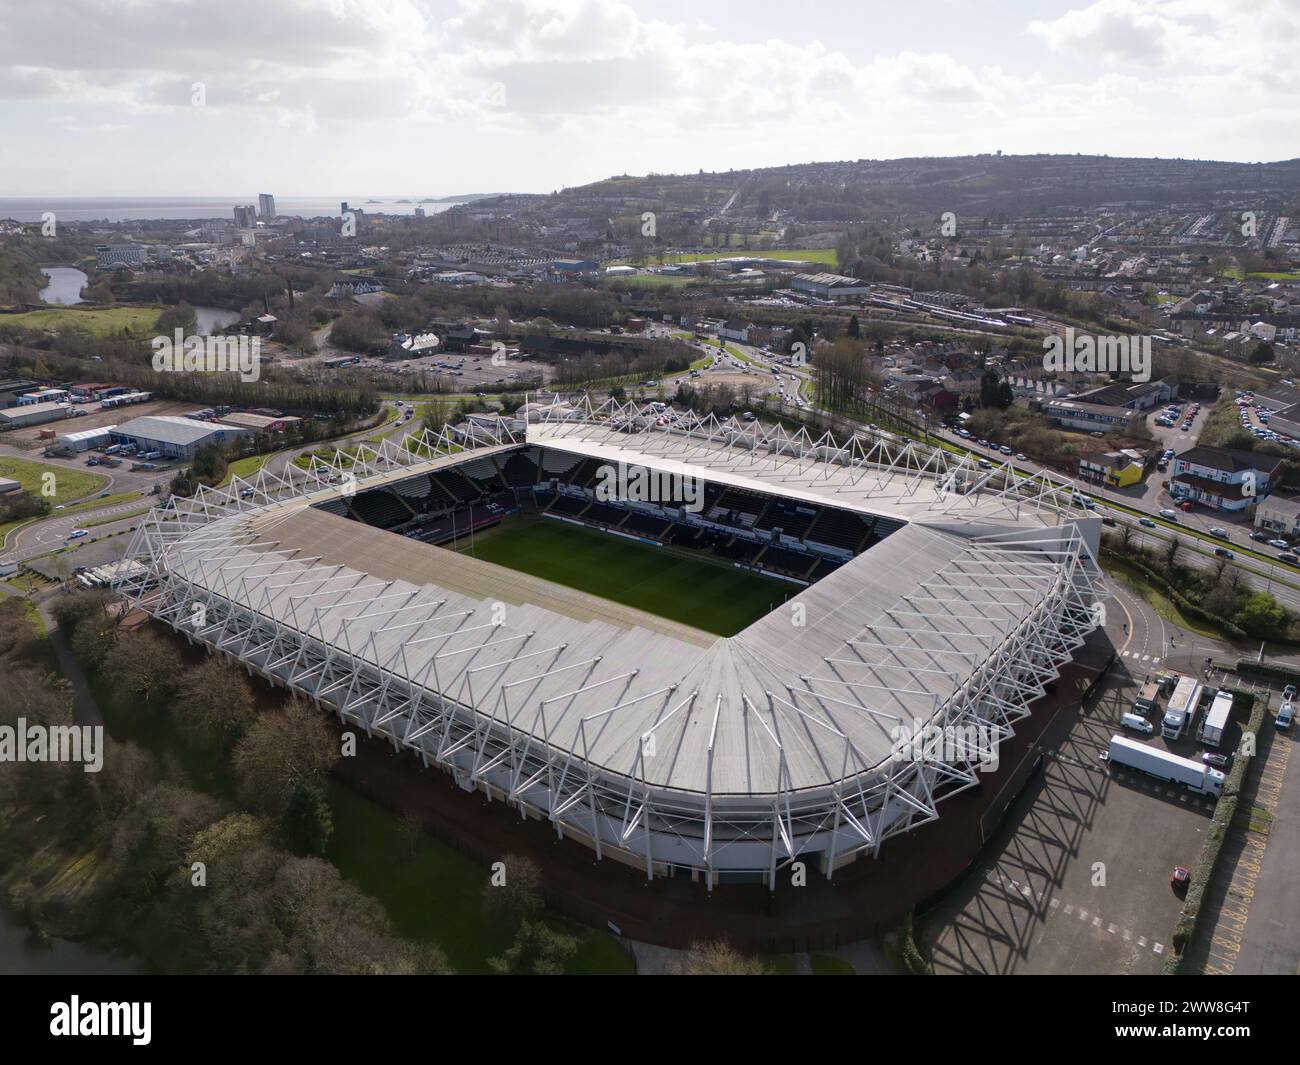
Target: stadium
x: 699, y: 647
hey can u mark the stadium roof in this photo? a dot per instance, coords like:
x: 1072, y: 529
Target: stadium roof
x: 876, y: 650
x: 906, y: 488
x: 631, y: 731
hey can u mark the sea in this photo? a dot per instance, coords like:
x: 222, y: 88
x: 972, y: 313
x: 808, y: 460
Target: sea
x: 132, y: 208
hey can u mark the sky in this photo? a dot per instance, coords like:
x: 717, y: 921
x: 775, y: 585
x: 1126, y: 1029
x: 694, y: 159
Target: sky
x: 446, y: 97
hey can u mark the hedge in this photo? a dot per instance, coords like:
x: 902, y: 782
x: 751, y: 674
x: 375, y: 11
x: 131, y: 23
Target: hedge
x: 1192, y: 610
x: 914, y: 964
x: 1252, y: 667
x: 1207, y: 862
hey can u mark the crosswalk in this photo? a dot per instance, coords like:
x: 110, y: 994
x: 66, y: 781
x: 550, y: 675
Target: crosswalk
x: 1138, y: 656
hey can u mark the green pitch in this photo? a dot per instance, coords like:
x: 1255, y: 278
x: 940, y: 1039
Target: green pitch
x: 715, y: 598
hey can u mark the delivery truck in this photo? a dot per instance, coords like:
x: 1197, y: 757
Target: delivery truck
x: 1181, y: 708
x: 1147, y: 698
x: 1195, y: 776
x: 1216, y: 719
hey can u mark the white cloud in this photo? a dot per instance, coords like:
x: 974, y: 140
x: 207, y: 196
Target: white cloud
x: 592, y: 87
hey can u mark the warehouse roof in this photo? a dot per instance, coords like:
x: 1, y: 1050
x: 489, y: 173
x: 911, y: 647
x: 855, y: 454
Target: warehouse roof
x: 88, y: 434
x: 171, y: 429
x: 28, y: 409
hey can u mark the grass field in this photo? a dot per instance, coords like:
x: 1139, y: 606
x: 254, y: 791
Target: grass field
x: 68, y: 483
x: 106, y: 501
x: 716, y: 598
x: 99, y: 321
x: 826, y: 256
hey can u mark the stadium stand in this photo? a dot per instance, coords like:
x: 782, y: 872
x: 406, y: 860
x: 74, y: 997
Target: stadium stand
x: 520, y: 470
x: 792, y: 520
x: 568, y: 506
x: 783, y: 560
x: 646, y: 525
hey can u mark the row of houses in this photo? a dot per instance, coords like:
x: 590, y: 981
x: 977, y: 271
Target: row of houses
x: 1220, y: 478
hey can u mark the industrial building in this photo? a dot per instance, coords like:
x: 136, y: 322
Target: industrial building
x: 10, y: 391
x: 828, y: 286
x: 43, y: 395
x: 259, y: 423
x: 88, y: 439
x: 172, y: 436
x: 33, y: 414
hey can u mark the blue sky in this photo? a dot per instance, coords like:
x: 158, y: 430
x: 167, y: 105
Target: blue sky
x: 404, y: 97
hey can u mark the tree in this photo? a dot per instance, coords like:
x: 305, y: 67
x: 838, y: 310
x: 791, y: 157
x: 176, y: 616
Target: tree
x: 144, y: 666
x: 520, y: 897
x: 213, y: 702
x: 1261, y: 616
x: 719, y: 958
x: 537, y: 948
x: 93, y: 639
x: 1261, y: 354
x: 70, y: 609
x: 307, y: 822
x: 855, y: 330
x: 281, y: 749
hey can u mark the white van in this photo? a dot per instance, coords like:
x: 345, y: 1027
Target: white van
x: 1137, y: 724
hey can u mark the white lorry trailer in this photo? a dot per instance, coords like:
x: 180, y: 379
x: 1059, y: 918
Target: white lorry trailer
x: 1216, y: 719
x: 1181, y: 708
x: 1165, y: 766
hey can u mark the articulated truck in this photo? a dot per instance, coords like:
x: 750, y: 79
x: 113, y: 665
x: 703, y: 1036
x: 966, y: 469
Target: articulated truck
x: 1165, y: 766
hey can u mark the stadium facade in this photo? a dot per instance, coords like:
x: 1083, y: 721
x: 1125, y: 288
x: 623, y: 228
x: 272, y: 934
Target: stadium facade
x: 941, y: 597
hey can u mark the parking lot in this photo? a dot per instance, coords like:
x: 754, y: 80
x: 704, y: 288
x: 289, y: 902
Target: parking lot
x: 1077, y: 879
x: 29, y: 437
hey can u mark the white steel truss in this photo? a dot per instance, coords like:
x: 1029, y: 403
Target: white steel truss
x: 400, y: 662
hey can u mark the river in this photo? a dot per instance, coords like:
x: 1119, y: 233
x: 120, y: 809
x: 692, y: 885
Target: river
x: 64, y: 285
x: 211, y: 318
x: 22, y: 954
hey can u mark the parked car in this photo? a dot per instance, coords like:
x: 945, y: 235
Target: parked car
x: 1180, y: 876
x: 1137, y: 724
x: 1285, y: 716
x: 1218, y: 761
x: 1281, y: 545
x: 1288, y: 693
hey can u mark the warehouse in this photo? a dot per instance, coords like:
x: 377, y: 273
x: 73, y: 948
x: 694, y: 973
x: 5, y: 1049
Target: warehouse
x: 33, y: 414
x: 259, y: 423
x: 831, y: 286
x: 173, y: 437
x: 87, y: 439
